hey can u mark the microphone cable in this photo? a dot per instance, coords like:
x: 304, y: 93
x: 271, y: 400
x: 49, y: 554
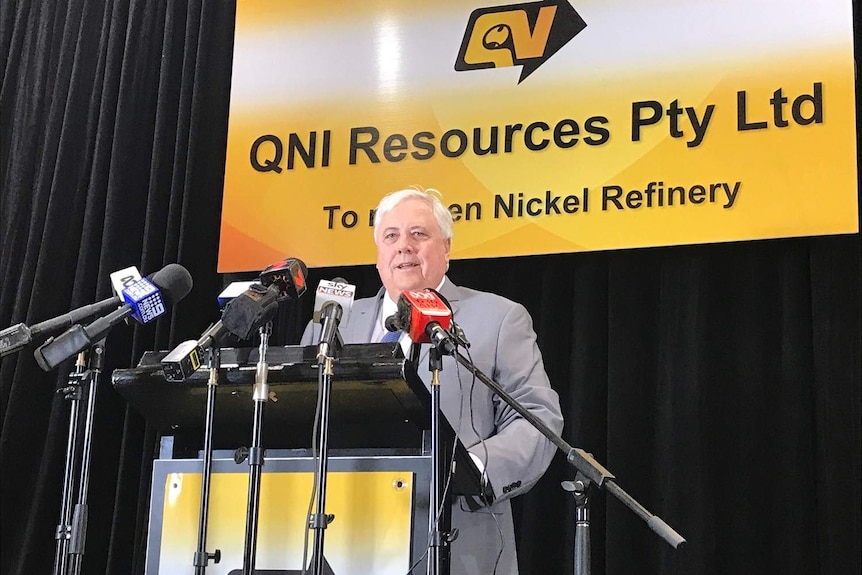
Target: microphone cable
x: 484, y: 476
x: 318, y: 410
x: 449, y: 474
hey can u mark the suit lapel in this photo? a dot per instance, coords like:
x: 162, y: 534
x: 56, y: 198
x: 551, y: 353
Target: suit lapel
x: 452, y: 293
x: 362, y: 318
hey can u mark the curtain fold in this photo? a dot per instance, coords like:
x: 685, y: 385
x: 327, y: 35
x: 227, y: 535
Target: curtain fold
x: 719, y: 383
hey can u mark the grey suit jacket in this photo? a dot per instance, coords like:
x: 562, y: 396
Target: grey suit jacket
x: 515, y: 455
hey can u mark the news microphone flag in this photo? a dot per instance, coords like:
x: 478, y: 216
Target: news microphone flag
x: 332, y: 304
x: 425, y: 317
x: 145, y: 299
x: 288, y: 276
x: 338, y: 291
x: 419, y: 309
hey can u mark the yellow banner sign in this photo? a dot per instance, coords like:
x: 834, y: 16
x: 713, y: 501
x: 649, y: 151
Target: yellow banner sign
x: 548, y: 126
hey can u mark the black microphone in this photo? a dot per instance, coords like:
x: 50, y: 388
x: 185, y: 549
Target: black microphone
x: 19, y: 335
x: 393, y: 322
x: 185, y: 359
x: 246, y: 313
x: 332, y: 302
x: 145, y: 301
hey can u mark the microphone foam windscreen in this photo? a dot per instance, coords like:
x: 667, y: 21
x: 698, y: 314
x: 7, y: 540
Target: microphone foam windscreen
x: 174, y: 281
x: 244, y: 314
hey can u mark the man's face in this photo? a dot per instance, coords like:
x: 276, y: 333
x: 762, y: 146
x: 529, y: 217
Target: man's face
x: 411, y: 251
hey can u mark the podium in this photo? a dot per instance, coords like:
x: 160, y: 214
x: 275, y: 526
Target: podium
x: 379, y: 461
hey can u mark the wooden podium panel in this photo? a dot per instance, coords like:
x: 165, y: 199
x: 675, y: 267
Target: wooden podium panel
x: 380, y: 505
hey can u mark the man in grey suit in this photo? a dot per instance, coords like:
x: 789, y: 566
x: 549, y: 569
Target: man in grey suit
x: 413, y: 233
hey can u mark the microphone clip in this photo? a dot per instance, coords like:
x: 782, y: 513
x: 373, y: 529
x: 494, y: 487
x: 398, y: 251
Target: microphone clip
x: 458, y: 335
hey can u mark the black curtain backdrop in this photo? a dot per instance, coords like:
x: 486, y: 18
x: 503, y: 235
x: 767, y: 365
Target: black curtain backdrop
x: 720, y: 383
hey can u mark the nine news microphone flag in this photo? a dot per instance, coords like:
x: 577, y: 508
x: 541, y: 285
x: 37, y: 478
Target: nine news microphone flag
x: 145, y: 301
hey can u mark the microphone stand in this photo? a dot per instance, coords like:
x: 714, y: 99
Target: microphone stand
x: 256, y: 454
x: 580, y: 459
x: 71, y: 393
x: 202, y: 557
x: 438, y: 562
x: 320, y: 520
x: 579, y: 489
x: 78, y: 535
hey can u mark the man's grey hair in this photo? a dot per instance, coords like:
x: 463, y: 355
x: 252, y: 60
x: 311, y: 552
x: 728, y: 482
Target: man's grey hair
x: 431, y: 196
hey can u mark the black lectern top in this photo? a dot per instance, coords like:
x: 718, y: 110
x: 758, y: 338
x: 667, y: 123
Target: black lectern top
x: 377, y: 402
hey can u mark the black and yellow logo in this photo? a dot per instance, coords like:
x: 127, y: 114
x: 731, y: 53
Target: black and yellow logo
x: 517, y: 35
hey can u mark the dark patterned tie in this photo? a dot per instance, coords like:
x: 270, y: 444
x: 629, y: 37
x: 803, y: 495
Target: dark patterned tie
x: 391, y: 336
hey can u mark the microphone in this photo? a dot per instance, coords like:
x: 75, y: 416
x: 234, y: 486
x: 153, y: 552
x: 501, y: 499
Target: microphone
x: 19, y: 335
x: 247, y: 306
x: 185, y: 359
x: 145, y: 301
x: 288, y: 276
x: 259, y: 303
x: 244, y: 314
x: 332, y: 303
x: 425, y: 317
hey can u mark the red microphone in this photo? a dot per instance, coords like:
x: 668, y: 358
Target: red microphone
x: 425, y: 317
